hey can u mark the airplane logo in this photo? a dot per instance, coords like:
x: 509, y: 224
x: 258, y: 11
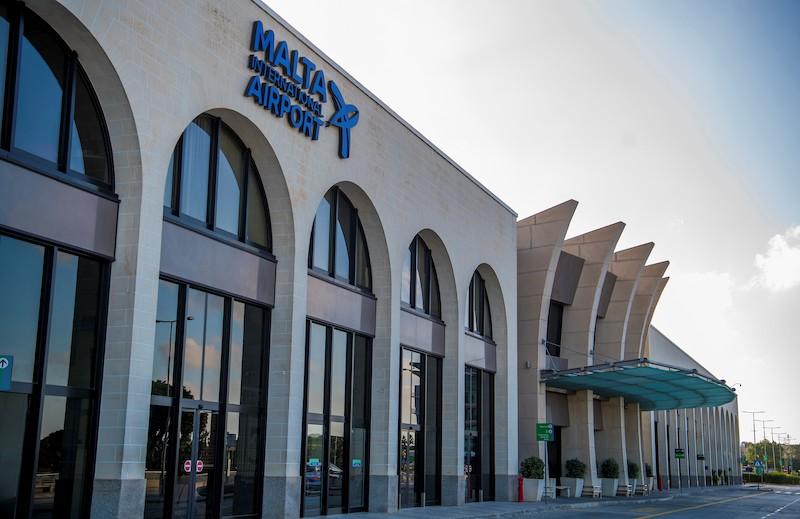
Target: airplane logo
x: 345, y: 118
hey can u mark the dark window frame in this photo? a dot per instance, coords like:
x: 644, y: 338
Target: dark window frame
x: 475, y: 325
x: 358, y: 234
x: 74, y: 72
x: 38, y: 389
x: 431, y: 276
x: 553, y: 340
x: 173, y: 213
x: 176, y: 404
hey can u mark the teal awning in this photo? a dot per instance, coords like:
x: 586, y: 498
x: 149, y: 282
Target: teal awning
x: 654, y: 386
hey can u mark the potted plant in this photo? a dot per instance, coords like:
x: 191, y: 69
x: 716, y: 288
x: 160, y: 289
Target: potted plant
x: 648, y: 474
x: 574, y: 478
x: 609, y: 477
x: 633, y: 473
x: 715, y: 477
x: 532, y: 472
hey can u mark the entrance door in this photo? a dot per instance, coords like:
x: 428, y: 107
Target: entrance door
x: 478, y: 434
x: 197, y: 469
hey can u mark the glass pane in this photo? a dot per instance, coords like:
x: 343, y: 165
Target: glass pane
x: 477, y: 302
x: 322, y: 229
x: 405, y: 287
x: 4, y: 29
x: 487, y: 438
x: 73, y: 321
x: 472, y: 454
x: 230, y: 181
x: 257, y: 217
x: 61, y: 473
x: 405, y: 387
x: 344, y: 237
x: 166, y: 326
x: 244, y: 375
x: 206, y: 468
x: 408, y: 469
x: 12, y: 434
x: 212, y: 355
x: 416, y: 388
x: 554, y: 320
x: 432, y: 448
x: 195, y: 168
x: 183, y: 494
x: 336, y: 465
x: 193, y: 344
x: 88, y: 154
x: 436, y: 303
x: 312, y: 480
x: 487, y: 317
x: 40, y: 89
x: 359, y: 412
x: 363, y: 272
x: 358, y: 468
x: 168, y: 185
x: 338, y: 372
x: 21, y: 266
x: 422, y: 287
x: 156, y: 468
x: 241, y: 463
x: 315, y: 381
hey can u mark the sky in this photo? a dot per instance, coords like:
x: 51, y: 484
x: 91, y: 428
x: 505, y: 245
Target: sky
x: 679, y: 118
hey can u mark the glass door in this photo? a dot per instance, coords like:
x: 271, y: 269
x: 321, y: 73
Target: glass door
x: 197, y: 469
x: 478, y: 434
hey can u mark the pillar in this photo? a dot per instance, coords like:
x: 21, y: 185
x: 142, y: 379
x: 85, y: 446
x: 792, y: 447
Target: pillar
x: 611, y: 440
x: 633, y: 439
x: 577, y: 440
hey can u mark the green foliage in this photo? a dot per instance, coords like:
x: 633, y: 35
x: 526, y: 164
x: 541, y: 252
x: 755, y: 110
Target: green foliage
x: 575, y: 468
x: 648, y: 470
x: 778, y: 478
x: 532, y: 468
x: 633, y: 469
x: 609, y: 469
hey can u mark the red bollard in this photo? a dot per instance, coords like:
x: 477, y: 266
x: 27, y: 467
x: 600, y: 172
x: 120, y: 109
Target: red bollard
x: 660, y: 488
x: 520, y: 493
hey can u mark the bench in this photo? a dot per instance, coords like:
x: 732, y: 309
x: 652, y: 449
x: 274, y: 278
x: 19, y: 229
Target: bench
x: 592, y: 491
x: 642, y: 489
x: 624, y: 490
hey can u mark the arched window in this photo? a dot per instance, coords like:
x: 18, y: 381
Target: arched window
x: 213, y: 184
x: 338, y: 247
x: 51, y: 120
x: 420, y: 289
x: 479, y: 315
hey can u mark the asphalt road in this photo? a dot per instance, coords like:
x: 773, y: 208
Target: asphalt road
x: 774, y: 503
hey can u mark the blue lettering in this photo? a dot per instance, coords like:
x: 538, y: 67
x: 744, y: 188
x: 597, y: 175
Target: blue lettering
x: 308, y: 120
x: 282, y: 57
x: 263, y: 41
x: 272, y: 102
x: 284, y: 105
x: 318, y: 86
x: 293, y: 72
x: 296, y: 116
x: 254, y: 89
x: 308, y: 68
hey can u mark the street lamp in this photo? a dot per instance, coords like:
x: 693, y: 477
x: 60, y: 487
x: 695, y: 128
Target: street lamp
x: 754, y: 413
x: 774, y: 460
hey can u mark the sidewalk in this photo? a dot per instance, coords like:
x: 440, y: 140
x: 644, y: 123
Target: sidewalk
x: 498, y: 509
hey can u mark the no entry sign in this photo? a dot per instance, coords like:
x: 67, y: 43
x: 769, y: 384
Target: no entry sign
x: 187, y: 466
x: 199, y: 466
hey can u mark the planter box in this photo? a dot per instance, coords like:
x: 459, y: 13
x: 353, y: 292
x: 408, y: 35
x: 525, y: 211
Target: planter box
x: 575, y: 486
x: 532, y: 489
x: 609, y: 486
x: 651, y: 483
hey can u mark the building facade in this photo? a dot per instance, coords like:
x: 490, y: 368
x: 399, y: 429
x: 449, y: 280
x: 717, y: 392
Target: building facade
x: 235, y: 283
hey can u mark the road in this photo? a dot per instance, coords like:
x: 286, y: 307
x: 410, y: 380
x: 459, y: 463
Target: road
x: 729, y: 503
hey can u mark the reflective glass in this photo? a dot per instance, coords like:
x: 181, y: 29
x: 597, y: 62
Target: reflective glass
x: 316, y: 368
x: 312, y: 479
x: 61, y: 471
x: 554, y: 322
x: 12, y: 434
x: 436, y: 303
x: 358, y: 464
x: 359, y: 407
x: 344, y: 237
x: 405, y: 387
x: 156, y: 467
x: 408, y: 468
x: 257, y: 217
x: 183, y: 492
x: 322, y: 229
x: 195, y: 163
x: 416, y: 388
x: 432, y: 448
x: 88, y: 155
x: 21, y: 265
x: 472, y: 454
x: 336, y: 466
x: 205, y: 466
x: 241, y: 461
x: 422, y: 286
x: 405, y: 287
x: 40, y: 90
x: 166, y: 329
x: 487, y: 436
x: 212, y: 356
x: 338, y: 374
x: 4, y: 30
x: 169, y: 184
x: 487, y: 317
x: 193, y: 343
x: 363, y: 272
x: 246, y: 364
x: 73, y: 321
x: 230, y: 181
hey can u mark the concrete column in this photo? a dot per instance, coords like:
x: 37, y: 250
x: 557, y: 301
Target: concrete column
x: 715, y: 453
x: 691, y: 447
x: 577, y: 440
x: 701, y: 447
x: 675, y: 469
x: 662, y: 449
x: 648, y: 441
x: 709, y: 444
x: 633, y: 439
x: 683, y: 444
x: 610, y: 442
x: 738, y: 443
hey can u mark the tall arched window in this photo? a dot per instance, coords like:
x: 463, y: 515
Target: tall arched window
x: 479, y: 315
x: 338, y: 247
x: 213, y: 185
x: 51, y: 119
x: 420, y: 288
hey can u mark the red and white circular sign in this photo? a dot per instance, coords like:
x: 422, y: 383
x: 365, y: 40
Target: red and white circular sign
x: 187, y: 466
x: 199, y: 466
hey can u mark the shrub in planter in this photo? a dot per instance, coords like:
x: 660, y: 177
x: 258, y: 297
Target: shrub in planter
x: 633, y: 470
x: 532, y: 471
x: 609, y: 472
x: 648, y: 470
x: 576, y: 469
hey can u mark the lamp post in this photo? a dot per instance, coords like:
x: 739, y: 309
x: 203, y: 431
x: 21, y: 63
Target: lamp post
x: 764, y: 432
x: 753, y: 416
x: 772, y: 433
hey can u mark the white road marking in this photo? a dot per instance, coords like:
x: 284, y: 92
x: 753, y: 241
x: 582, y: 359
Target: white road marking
x: 781, y: 508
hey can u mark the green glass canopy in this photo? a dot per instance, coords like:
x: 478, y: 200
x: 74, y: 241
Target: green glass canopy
x: 654, y: 386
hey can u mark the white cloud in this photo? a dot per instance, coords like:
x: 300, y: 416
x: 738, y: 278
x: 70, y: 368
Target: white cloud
x: 779, y: 267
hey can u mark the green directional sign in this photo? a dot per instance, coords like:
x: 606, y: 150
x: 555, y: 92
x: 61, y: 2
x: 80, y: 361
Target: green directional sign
x: 680, y: 454
x: 544, y: 432
x: 6, y: 367
x: 759, y: 468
